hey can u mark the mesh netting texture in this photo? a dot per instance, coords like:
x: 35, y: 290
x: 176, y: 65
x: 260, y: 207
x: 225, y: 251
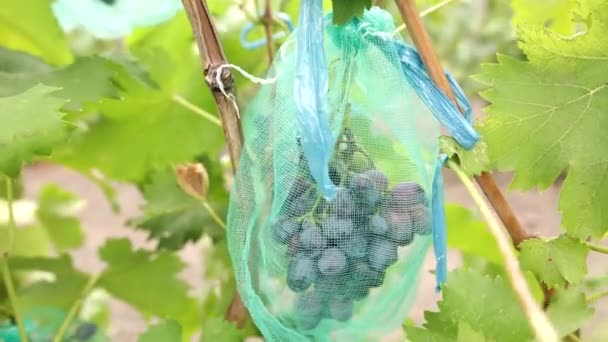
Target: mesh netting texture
x: 346, y: 268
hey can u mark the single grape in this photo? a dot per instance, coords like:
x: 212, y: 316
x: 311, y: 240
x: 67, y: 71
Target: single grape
x: 332, y: 261
x: 341, y: 310
x: 336, y: 229
x: 312, y: 239
x: 379, y: 179
x: 378, y: 225
x: 294, y: 246
x: 405, y: 195
x: 300, y: 273
x: 400, y: 226
x: 332, y: 286
x: 308, y: 308
x: 343, y: 204
x: 284, y: 229
x: 420, y: 220
x: 85, y: 331
x: 355, y: 247
x: 381, y: 253
x: 366, y: 276
x: 360, y: 183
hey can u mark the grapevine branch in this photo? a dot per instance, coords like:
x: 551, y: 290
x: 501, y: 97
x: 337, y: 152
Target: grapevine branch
x: 268, y: 21
x: 212, y: 58
x: 4, y: 266
x: 540, y: 323
x: 486, y: 182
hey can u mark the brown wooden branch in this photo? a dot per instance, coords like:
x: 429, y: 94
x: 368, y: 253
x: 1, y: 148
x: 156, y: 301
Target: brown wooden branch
x: 267, y: 20
x: 486, y: 182
x: 212, y: 57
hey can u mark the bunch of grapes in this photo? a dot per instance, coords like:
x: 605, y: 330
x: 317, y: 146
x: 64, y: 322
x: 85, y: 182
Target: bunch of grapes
x: 339, y: 250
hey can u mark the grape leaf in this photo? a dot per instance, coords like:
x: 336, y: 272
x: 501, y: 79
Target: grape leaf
x: 29, y: 241
x: 482, y: 303
x: 59, y: 293
x: 53, y: 213
x: 31, y: 125
x: 148, y: 128
x: 568, y: 310
x: 29, y: 25
x: 345, y: 10
x: 547, y: 116
x: 87, y: 79
x: 162, y: 332
x: 462, y: 225
x: 145, y: 279
x: 218, y: 329
x: 175, y: 218
x: 472, y: 162
x: 555, y: 262
x: 551, y: 13
x: 468, y: 334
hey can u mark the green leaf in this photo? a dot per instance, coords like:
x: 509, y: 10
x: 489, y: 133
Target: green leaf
x: 147, y: 280
x: 165, y: 131
x: 218, y: 329
x: 166, y: 331
x: 64, y: 229
x: 30, y: 241
x: 59, y: 293
x: 568, y: 310
x: 175, y: 218
x: 86, y: 80
x: 486, y: 305
x: 472, y: 162
x: 550, y: 13
x: 468, y: 334
x: 470, y: 235
x: 31, y: 125
x: 30, y: 26
x: 555, y: 262
x: 345, y: 10
x: 547, y: 116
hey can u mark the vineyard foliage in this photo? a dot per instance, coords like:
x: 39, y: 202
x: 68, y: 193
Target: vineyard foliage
x: 131, y: 109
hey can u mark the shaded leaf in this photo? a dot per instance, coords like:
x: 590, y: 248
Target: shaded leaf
x: 555, y: 262
x: 54, y: 213
x: 166, y: 331
x: 30, y: 26
x: 469, y: 234
x: 345, y: 10
x: 568, y: 310
x: 31, y: 125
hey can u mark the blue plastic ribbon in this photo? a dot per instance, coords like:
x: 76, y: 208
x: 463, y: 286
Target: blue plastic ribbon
x: 310, y: 95
x: 256, y: 44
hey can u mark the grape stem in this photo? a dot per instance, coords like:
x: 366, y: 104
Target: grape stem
x: 596, y: 296
x: 538, y: 320
x: 213, y: 214
x: 597, y: 248
x: 4, y: 266
x: 268, y: 22
x: 196, y: 109
x: 75, y: 308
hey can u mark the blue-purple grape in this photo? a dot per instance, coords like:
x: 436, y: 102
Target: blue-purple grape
x: 355, y: 247
x: 341, y: 310
x: 332, y: 261
x: 381, y: 253
x: 284, y: 229
x: 366, y: 276
x: 336, y: 229
x: 361, y: 182
x: 85, y: 331
x: 378, y: 225
x: 400, y: 226
x: 379, y: 179
x: 405, y: 195
x: 300, y: 273
x: 312, y: 240
x: 308, y: 309
x: 420, y: 220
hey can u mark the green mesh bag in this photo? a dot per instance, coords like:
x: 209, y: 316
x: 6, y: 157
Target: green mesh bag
x: 331, y: 212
